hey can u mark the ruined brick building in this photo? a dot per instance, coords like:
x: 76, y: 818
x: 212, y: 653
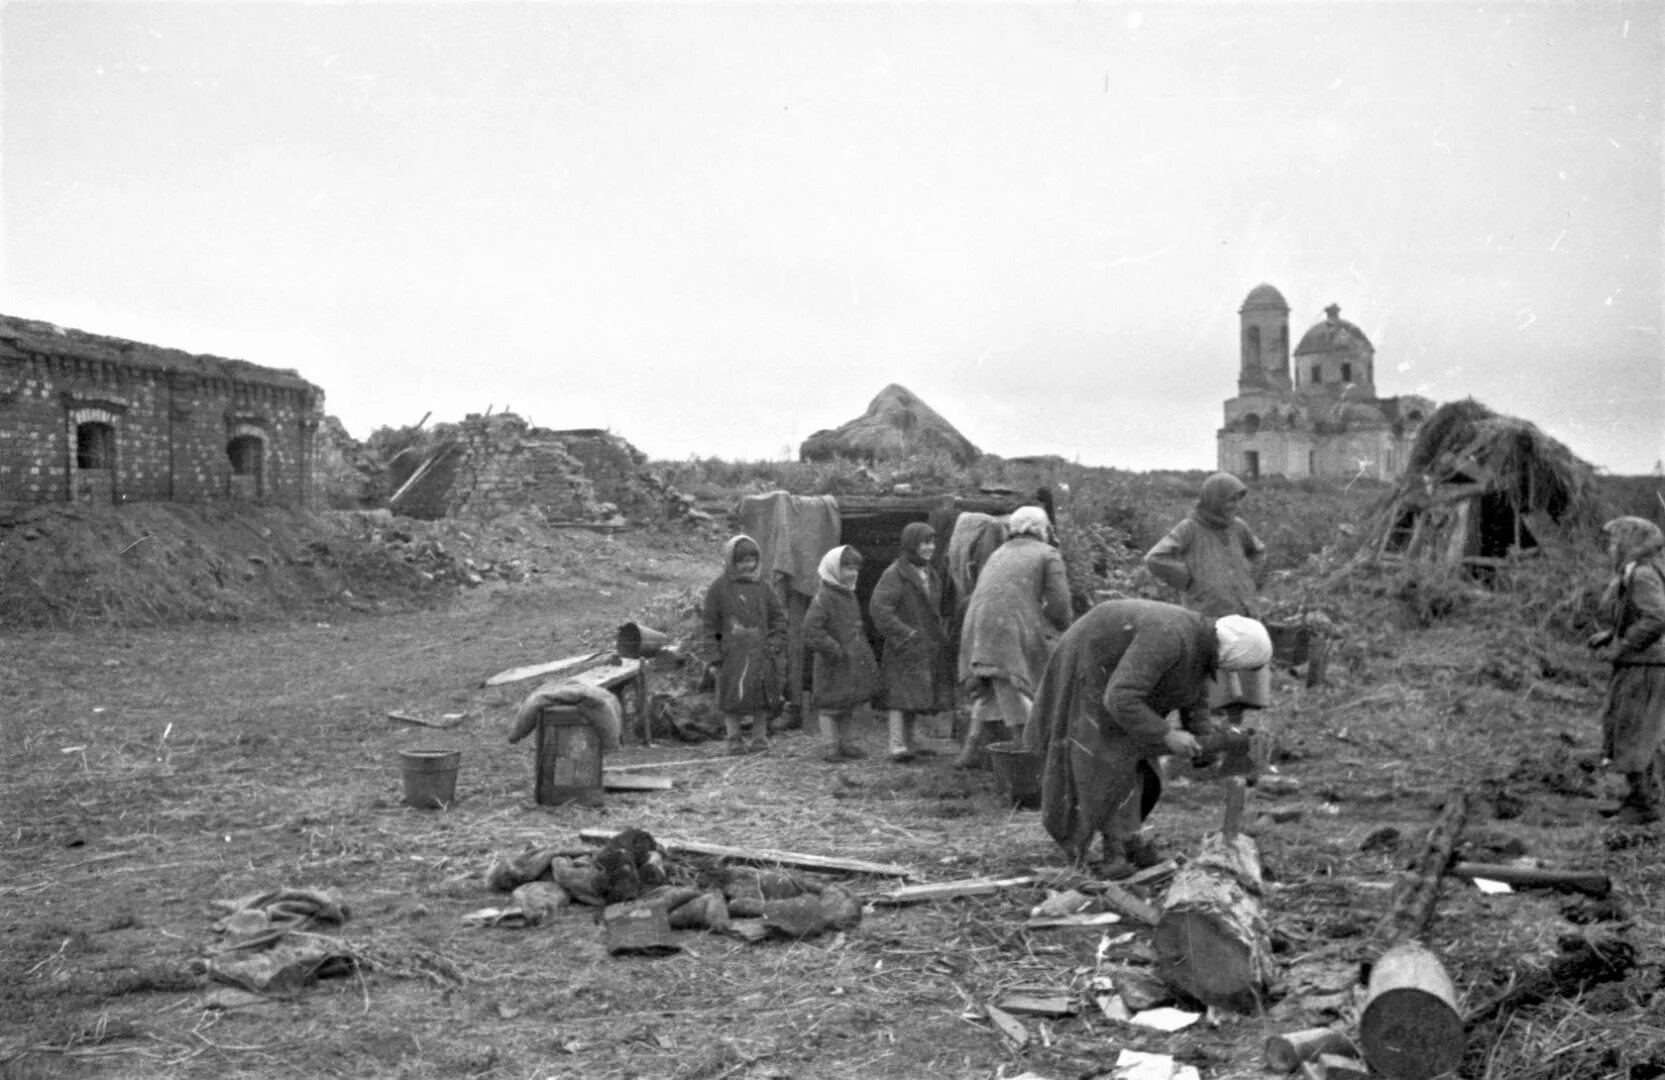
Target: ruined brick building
x: 101, y: 419
x: 1322, y: 418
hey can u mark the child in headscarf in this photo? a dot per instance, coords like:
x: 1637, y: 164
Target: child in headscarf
x: 1633, y: 724
x: 916, y: 672
x: 1019, y: 607
x: 745, y: 635
x: 845, y: 673
x: 1214, y: 559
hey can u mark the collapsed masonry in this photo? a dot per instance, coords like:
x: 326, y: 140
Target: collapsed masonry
x: 489, y: 466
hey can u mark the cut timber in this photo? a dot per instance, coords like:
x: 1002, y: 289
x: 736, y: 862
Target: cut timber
x: 534, y: 670
x: 1212, y: 942
x: 1412, y: 905
x: 608, y: 676
x: 1285, y: 1053
x: 1124, y: 902
x: 1590, y: 884
x: 764, y: 856
x: 1409, y: 1028
x: 950, y: 890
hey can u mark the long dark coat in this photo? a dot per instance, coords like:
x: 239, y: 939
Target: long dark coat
x: 1100, y: 715
x: 845, y: 672
x: 745, y: 632
x: 917, y: 671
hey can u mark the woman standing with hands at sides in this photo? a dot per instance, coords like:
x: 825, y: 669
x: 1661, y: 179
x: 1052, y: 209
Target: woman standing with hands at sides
x: 1633, y: 725
x: 1214, y: 559
x: 916, y: 672
x: 744, y: 637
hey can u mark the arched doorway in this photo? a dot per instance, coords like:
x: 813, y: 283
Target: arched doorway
x: 248, y: 466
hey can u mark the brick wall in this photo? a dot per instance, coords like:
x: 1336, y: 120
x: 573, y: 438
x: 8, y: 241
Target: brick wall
x: 168, y: 419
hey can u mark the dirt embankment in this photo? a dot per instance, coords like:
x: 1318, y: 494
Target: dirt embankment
x: 160, y: 563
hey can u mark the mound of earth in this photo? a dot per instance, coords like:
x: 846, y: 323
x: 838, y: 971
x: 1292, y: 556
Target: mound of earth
x: 157, y: 563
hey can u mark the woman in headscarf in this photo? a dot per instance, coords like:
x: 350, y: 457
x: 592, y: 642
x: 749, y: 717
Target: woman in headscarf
x: 1100, y: 717
x: 845, y: 674
x: 1214, y: 559
x: 916, y: 671
x: 1020, y: 605
x: 744, y: 637
x: 1633, y: 724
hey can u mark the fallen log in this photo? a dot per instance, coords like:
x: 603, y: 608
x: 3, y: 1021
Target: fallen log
x: 1409, y: 1028
x: 763, y: 856
x: 1411, y: 907
x: 1212, y: 943
x: 1588, y: 883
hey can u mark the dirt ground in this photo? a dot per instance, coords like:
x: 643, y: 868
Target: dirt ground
x: 145, y: 774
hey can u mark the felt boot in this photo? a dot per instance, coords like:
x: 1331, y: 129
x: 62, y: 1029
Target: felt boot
x: 899, y: 751
x: 1641, y: 805
x: 910, y: 737
x: 732, y: 736
x: 1141, y: 852
x: 833, y: 737
x: 847, y: 747
x: 973, y: 755
x: 759, y: 742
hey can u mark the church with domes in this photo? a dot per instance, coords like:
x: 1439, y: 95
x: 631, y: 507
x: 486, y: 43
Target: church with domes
x: 1313, y: 413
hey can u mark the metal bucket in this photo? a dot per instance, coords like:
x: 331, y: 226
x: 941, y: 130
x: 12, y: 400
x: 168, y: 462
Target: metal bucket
x: 1017, y: 774
x: 430, y: 777
x: 637, y: 642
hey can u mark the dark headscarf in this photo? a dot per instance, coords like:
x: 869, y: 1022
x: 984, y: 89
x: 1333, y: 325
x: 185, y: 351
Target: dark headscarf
x: 1213, y: 509
x: 738, y: 546
x: 914, y: 535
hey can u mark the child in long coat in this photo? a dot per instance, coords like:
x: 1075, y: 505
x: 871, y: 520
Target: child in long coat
x: 844, y: 673
x: 745, y: 638
x: 1633, y: 724
x: 916, y: 673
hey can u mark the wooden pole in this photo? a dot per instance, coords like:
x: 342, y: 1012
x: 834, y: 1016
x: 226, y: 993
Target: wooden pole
x: 1410, y: 1028
x: 1413, y: 901
x: 1590, y: 884
x: 642, y: 703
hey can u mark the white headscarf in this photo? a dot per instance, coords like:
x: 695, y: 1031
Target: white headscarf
x: 830, y: 562
x: 1029, y: 520
x: 1244, y: 643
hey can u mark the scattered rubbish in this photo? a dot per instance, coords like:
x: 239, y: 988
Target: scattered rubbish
x: 1009, y: 1027
x: 1054, y: 1005
x: 1486, y: 885
x: 1166, y: 1018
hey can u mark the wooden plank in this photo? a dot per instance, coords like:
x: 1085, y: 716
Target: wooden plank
x: 615, y: 781
x: 950, y: 890
x: 1590, y: 883
x: 608, y: 676
x: 765, y: 856
x: 532, y: 671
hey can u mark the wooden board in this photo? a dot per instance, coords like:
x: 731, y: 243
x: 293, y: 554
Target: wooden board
x: 950, y: 890
x: 608, y: 676
x: 617, y: 781
x: 766, y: 856
x: 532, y: 671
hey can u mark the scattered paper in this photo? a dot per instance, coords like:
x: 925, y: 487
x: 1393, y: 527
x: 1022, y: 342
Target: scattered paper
x: 1166, y: 1018
x: 1137, y: 1065
x: 1487, y: 885
x: 1059, y: 904
x: 1187, y: 1072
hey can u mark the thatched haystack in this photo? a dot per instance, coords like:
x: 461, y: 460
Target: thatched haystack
x: 897, y: 425
x: 1481, y: 488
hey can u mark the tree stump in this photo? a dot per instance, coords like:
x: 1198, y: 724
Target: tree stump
x: 1410, y: 1028
x: 1212, y: 941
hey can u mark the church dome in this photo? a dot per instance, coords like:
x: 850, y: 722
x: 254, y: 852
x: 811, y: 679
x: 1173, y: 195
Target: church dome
x: 1264, y: 296
x: 1333, y: 334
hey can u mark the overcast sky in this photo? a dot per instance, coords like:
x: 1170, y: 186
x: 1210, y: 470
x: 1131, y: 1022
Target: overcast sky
x: 716, y: 228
